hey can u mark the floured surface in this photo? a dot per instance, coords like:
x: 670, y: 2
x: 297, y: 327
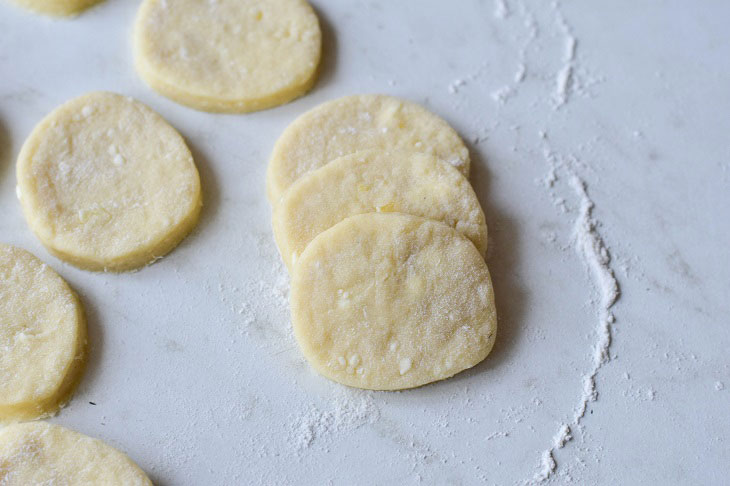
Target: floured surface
x: 359, y: 122
x: 42, y: 337
x: 392, y: 301
x: 228, y: 56
x: 41, y: 453
x: 106, y: 183
x: 374, y: 181
x: 194, y: 371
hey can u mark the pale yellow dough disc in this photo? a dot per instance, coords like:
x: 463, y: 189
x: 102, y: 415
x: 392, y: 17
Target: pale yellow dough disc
x: 391, y: 301
x: 107, y: 184
x: 374, y: 181
x: 42, y: 338
x: 353, y: 123
x: 228, y: 56
x: 40, y: 453
x: 56, y: 7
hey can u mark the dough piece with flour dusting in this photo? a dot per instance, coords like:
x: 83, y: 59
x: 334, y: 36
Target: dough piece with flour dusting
x: 374, y: 181
x: 42, y: 453
x: 353, y: 123
x: 228, y: 56
x: 42, y: 338
x: 391, y: 301
x: 106, y: 184
x: 56, y: 7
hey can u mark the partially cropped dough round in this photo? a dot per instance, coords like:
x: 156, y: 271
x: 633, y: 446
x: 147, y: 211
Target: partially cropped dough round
x: 391, y: 301
x: 375, y: 181
x: 56, y: 7
x: 353, y: 123
x: 107, y: 184
x: 42, y: 338
x: 40, y: 453
x: 228, y: 55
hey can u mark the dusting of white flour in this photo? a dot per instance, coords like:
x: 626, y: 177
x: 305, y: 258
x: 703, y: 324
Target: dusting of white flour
x: 595, y: 256
x: 348, y: 412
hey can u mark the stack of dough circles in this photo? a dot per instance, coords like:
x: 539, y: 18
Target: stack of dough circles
x: 392, y: 301
x: 376, y: 181
x: 56, y: 7
x: 42, y: 338
x: 106, y: 184
x: 228, y: 56
x: 353, y: 123
x: 41, y: 453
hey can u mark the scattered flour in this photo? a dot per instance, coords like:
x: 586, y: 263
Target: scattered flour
x: 564, y: 77
x: 719, y: 386
x: 592, y: 250
x: 501, y: 10
x: 349, y: 412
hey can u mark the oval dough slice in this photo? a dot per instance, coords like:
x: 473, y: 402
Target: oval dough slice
x: 56, y: 7
x: 42, y: 453
x: 353, y: 123
x: 391, y: 301
x: 228, y: 56
x: 374, y: 181
x: 106, y: 184
x: 42, y: 338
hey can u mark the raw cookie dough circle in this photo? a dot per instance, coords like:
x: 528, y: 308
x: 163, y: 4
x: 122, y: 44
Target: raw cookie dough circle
x: 228, y: 56
x: 355, y: 123
x: 42, y: 453
x: 42, y: 338
x: 56, y: 7
x: 374, y: 181
x: 391, y: 301
x: 107, y: 184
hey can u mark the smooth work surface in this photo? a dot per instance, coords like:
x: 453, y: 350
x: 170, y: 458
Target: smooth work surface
x: 599, y: 138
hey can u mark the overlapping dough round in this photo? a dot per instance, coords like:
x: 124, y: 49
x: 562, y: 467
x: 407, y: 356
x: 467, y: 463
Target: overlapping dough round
x: 353, y: 123
x: 106, y: 184
x: 56, y: 7
x: 42, y: 338
x: 392, y: 301
x: 228, y: 56
x: 40, y: 453
x: 376, y: 181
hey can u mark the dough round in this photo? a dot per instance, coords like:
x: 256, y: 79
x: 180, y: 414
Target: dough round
x: 107, y: 184
x: 56, y: 7
x: 42, y: 338
x: 391, y: 301
x: 42, y: 453
x: 355, y: 123
x: 228, y: 56
x: 375, y: 181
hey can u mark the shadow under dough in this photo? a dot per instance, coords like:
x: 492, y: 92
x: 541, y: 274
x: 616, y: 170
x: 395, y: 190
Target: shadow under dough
x: 328, y: 61
x: 6, y: 149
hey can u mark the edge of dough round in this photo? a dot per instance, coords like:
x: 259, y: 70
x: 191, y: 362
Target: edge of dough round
x: 405, y: 360
x: 44, y: 453
x: 60, y: 8
x: 293, y: 156
x: 135, y: 258
x: 209, y: 103
x: 374, y: 181
x: 54, y: 401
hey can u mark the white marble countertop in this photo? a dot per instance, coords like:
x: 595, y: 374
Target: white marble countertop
x: 193, y: 370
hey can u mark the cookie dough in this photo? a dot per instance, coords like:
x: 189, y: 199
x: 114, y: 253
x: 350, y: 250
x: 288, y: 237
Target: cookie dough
x: 56, y: 7
x: 106, y: 184
x: 42, y: 453
x: 42, y: 338
x: 391, y: 301
x: 355, y: 123
x: 375, y: 181
x: 228, y: 56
